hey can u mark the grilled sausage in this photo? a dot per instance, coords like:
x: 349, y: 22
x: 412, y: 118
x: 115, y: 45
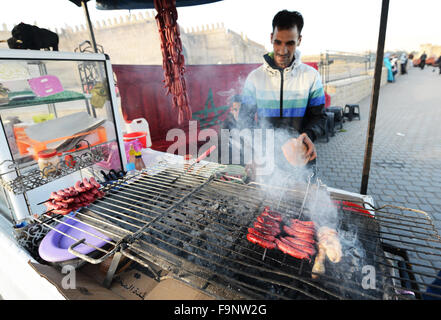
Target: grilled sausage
x: 268, y: 222
x: 261, y: 241
x: 78, y: 187
x: 262, y: 235
x: 303, y: 246
x: 294, y: 252
x: 55, y: 196
x: 272, y: 214
x: 68, y: 200
x: 61, y: 211
x: 303, y: 229
x: 62, y: 194
x: 87, y: 184
x: 300, y: 241
x: 264, y: 229
x: 307, y: 224
x: 94, y: 182
x: 304, y: 236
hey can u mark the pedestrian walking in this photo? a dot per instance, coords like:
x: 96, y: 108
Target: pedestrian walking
x: 403, y: 63
x: 423, y: 60
x: 438, y: 63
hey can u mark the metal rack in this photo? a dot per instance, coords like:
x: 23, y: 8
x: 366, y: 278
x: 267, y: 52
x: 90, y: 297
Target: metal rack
x: 29, y: 176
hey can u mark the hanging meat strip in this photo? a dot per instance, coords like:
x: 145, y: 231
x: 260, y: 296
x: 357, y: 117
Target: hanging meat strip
x: 173, y: 60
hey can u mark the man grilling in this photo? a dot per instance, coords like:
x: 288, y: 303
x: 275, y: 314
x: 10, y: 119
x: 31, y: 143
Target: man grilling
x: 286, y: 94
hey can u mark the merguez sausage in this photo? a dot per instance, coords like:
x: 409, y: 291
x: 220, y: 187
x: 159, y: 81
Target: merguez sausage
x: 268, y: 222
x: 294, y: 252
x: 94, y: 182
x: 264, y: 229
x: 262, y: 235
x: 261, y: 241
x: 309, y: 249
x: 304, y: 236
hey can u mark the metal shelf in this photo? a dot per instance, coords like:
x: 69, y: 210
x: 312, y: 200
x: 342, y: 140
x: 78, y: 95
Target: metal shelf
x: 30, y: 176
x: 55, y: 98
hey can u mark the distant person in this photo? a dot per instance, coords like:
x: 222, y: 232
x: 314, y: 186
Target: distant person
x: 423, y: 60
x: 403, y: 63
x: 410, y: 60
x: 438, y: 63
x: 388, y: 65
x: 393, y: 61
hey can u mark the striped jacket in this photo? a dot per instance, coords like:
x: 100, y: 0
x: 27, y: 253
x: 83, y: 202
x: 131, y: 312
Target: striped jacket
x: 292, y: 98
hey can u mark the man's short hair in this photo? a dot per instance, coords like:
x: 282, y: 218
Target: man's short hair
x: 285, y: 19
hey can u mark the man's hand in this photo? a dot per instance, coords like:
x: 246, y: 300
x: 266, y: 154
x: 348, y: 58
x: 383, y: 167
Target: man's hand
x: 310, y: 147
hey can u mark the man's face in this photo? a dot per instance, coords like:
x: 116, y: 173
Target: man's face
x: 285, y: 43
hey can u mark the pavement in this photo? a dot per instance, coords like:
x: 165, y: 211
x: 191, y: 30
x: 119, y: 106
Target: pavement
x: 406, y: 159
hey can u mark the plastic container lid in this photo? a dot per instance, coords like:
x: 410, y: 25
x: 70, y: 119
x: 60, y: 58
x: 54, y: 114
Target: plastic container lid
x: 134, y: 135
x: 48, y: 153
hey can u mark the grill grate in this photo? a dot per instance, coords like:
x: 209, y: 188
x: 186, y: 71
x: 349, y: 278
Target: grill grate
x: 194, y: 226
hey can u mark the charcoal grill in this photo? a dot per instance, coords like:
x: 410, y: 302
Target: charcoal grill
x: 191, y: 225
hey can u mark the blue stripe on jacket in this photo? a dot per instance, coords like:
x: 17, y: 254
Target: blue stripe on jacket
x: 316, y: 101
x: 289, y: 113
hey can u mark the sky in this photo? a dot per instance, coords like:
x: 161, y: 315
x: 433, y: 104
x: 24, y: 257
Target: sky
x: 335, y: 25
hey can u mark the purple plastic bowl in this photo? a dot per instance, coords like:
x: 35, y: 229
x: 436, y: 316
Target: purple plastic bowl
x: 54, y: 246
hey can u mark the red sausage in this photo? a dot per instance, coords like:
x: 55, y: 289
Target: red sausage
x: 101, y: 194
x: 300, y: 241
x: 260, y: 227
x: 61, y: 211
x: 272, y: 216
x: 55, y: 196
x: 268, y: 222
x: 307, y: 224
x: 61, y: 204
x: 86, y: 184
x: 78, y: 187
x: 300, y: 228
x: 306, y: 247
x: 63, y: 194
x: 73, y: 191
x: 294, y: 252
x: 50, y: 205
x: 94, y: 182
x: 262, y: 235
x: 89, y: 197
x: 304, y: 236
x: 261, y: 241
x: 68, y: 200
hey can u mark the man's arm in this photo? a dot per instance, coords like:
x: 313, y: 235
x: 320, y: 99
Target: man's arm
x: 314, y: 120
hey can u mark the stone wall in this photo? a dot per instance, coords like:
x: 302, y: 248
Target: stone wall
x: 134, y: 39
x: 353, y: 90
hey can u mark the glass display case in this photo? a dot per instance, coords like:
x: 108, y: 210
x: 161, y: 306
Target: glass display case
x: 59, y: 117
